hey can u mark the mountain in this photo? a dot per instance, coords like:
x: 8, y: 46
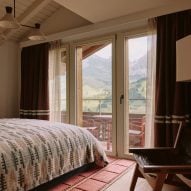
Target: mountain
x: 97, y: 82
x: 137, y: 69
x: 97, y: 75
x: 137, y: 89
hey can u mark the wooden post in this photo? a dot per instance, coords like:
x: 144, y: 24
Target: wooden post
x: 79, y: 86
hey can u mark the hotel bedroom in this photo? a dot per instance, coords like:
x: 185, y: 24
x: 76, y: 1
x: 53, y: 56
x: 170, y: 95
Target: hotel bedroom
x: 95, y: 95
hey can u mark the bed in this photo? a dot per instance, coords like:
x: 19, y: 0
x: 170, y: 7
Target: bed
x: 33, y: 152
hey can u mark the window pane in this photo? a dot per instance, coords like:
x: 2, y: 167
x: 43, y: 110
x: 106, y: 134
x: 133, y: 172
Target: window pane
x: 96, y: 90
x: 137, y: 89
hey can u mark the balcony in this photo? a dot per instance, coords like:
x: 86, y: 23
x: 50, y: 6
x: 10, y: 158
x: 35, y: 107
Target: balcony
x: 101, y: 127
x: 97, y: 118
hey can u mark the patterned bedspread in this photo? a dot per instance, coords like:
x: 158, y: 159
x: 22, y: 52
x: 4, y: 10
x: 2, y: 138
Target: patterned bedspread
x: 33, y: 152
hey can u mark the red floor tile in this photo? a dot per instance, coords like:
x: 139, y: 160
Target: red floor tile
x: 91, y: 185
x: 123, y: 162
x: 73, y: 180
x: 115, y: 168
x: 111, y: 159
x: 96, y: 178
x: 90, y: 172
x: 104, y: 176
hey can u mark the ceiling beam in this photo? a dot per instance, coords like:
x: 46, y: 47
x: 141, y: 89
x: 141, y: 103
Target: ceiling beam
x: 30, y: 12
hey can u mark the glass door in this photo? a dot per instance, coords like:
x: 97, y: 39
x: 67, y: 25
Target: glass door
x: 138, y: 91
x: 137, y: 86
x: 94, y: 80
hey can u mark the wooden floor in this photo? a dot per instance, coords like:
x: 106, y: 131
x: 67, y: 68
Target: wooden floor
x: 123, y: 184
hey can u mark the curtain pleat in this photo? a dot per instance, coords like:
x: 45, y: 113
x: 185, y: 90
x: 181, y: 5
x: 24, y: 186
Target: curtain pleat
x: 173, y: 99
x: 58, y: 82
x: 34, y: 103
x: 150, y: 91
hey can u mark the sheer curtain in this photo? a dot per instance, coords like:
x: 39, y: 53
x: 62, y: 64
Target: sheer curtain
x: 57, y: 82
x: 151, y: 73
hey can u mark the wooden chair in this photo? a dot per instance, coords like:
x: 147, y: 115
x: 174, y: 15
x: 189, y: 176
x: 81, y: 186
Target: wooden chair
x: 137, y: 131
x: 159, y: 165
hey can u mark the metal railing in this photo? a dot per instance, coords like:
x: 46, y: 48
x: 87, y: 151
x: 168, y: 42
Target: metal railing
x: 101, y: 127
x: 102, y: 105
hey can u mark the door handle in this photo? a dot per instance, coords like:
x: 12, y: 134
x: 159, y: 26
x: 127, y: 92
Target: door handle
x: 121, y: 98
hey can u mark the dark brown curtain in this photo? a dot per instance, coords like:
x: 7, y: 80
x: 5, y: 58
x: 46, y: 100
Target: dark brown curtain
x: 173, y: 99
x: 34, y: 102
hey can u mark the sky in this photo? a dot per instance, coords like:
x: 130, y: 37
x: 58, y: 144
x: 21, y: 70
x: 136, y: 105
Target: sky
x: 137, y: 49
x: 105, y: 52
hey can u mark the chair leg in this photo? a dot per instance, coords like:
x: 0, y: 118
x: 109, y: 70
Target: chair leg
x: 134, y: 179
x: 159, y: 182
x: 169, y: 178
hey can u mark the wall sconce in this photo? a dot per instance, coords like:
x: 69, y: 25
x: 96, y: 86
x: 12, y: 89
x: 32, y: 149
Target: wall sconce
x: 8, y: 21
x: 36, y: 33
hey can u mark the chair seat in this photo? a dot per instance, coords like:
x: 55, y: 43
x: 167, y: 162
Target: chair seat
x: 164, y: 162
x: 156, y: 161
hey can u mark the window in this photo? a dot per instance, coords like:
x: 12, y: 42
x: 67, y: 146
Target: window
x: 94, y: 90
x: 139, y: 90
x: 98, y: 86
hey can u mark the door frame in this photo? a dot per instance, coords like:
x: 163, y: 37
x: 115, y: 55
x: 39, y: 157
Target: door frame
x: 122, y: 86
x: 73, y: 83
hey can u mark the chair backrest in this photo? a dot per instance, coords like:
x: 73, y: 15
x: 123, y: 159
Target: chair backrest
x: 184, y: 140
x: 178, y: 134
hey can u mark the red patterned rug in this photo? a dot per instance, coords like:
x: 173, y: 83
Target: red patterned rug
x: 95, y: 179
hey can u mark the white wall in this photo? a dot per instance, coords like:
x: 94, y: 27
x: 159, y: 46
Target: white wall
x: 9, y: 79
x: 63, y: 20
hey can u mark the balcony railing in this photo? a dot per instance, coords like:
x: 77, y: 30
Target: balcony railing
x: 97, y: 118
x: 98, y: 106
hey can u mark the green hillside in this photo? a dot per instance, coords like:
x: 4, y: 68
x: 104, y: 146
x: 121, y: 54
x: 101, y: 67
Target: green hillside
x: 97, y: 84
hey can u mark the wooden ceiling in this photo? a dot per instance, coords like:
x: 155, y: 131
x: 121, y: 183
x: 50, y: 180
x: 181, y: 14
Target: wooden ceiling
x: 80, y: 12
x: 28, y: 12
